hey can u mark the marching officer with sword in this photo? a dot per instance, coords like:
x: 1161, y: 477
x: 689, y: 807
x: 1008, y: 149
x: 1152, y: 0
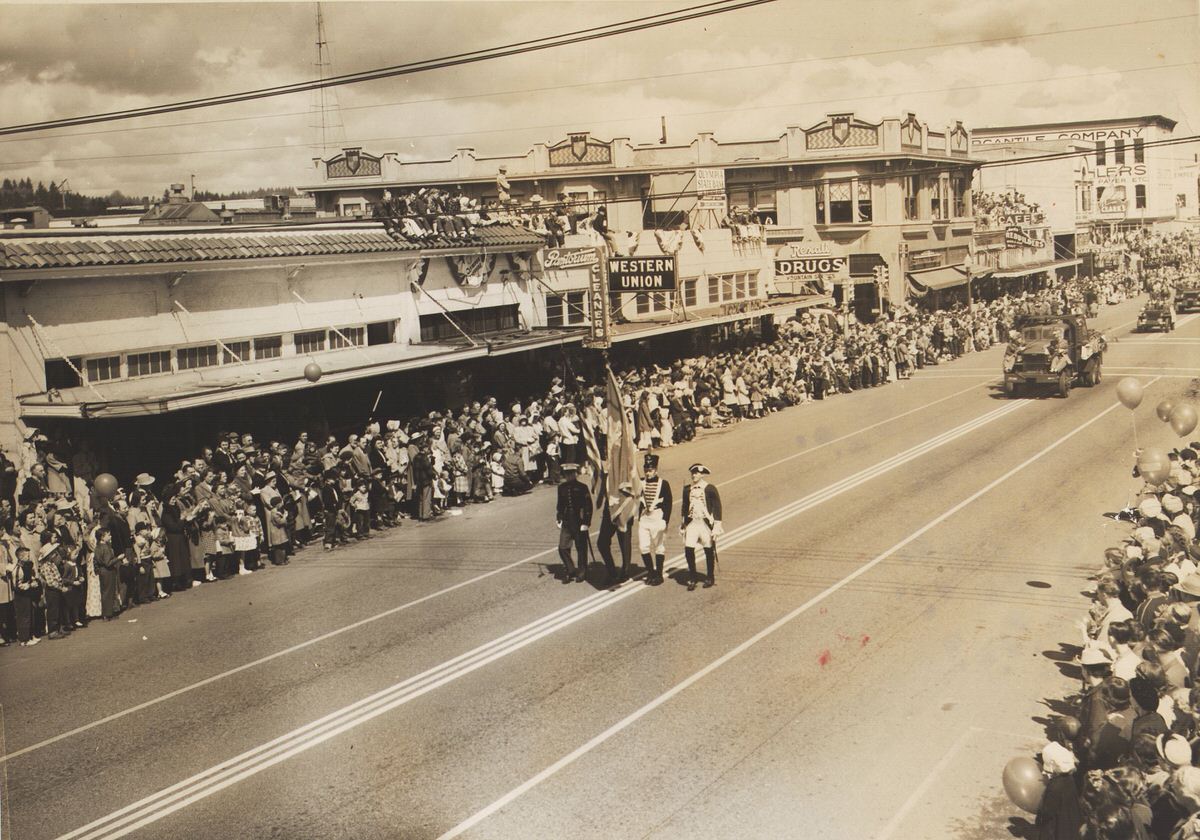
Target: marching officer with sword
x: 701, y: 511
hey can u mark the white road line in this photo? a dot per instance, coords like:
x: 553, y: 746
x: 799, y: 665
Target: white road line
x: 632, y: 718
x: 409, y: 605
x: 911, y: 802
x: 162, y: 803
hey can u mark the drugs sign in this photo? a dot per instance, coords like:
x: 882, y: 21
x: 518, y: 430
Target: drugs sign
x: 641, y: 274
x: 807, y: 266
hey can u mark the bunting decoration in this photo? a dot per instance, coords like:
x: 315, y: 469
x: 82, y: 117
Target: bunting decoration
x: 417, y: 271
x: 473, y: 270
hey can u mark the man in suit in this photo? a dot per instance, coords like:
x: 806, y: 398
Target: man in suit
x: 574, y: 516
x: 653, y: 514
x: 701, y: 512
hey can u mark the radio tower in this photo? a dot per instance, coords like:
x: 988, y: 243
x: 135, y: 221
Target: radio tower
x: 328, y: 128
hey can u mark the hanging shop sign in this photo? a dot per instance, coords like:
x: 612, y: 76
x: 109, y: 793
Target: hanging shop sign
x: 710, y: 189
x: 641, y: 274
x: 563, y: 258
x: 599, y: 329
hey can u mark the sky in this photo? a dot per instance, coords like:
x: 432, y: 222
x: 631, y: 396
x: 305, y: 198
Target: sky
x: 745, y: 74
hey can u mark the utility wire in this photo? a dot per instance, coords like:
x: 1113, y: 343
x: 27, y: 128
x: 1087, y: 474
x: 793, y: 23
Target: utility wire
x: 537, y: 44
x: 511, y: 129
x: 658, y: 76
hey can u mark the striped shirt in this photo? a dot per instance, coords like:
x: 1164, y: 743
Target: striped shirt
x: 650, y: 493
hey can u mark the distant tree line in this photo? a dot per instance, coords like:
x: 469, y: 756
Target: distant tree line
x: 22, y: 192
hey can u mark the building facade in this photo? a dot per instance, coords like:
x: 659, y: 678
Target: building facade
x: 891, y: 195
x: 1106, y: 174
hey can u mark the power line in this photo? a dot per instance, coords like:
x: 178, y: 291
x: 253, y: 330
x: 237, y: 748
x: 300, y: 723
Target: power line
x: 657, y: 76
x: 537, y: 44
x: 513, y: 129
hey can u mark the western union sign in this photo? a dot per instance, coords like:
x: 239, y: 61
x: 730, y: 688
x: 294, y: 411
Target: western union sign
x: 641, y: 274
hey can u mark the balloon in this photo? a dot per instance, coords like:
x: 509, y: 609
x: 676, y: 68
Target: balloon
x: 106, y: 485
x: 1130, y: 393
x: 1153, y: 465
x: 1183, y: 419
x: 1024, y: 784
x: 312, y: 371
x: 1163, y: 410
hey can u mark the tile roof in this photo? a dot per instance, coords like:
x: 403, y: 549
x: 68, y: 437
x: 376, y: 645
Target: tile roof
x: 125, y: 248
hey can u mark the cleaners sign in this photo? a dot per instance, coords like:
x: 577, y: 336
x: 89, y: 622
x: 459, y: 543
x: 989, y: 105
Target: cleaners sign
x: 641, y: 274
x: 808, y: 266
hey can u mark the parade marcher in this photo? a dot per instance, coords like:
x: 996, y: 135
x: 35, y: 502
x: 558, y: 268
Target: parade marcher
x: 574, y: 516
x: 616, y: 520
x: 701, y: 525
x: 653, y: 514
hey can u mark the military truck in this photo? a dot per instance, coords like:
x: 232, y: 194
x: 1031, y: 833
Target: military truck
x: 1053, y: 352
x: 1158, y: 313
x: 1187, y: 295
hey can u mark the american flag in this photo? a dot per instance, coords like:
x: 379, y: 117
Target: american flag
x: 595, y: 460
x: 622, y: 453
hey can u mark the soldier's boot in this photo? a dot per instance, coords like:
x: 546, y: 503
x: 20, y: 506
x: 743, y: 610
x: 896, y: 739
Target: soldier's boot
x: 649, y: 564
x: 568, y: 566
x: 658, y: 568
x: 710, y: 560
x: 690, y: 555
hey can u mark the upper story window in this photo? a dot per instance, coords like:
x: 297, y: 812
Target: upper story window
x: 1118, y: 151
x: 1139, y: 150
x: 911, y: 189
x: 309, y: 342
x: 196, y: 357
x: 863, y: 196
x: 103, y: 369
x: 1101, y: 153
x: 841, y: 202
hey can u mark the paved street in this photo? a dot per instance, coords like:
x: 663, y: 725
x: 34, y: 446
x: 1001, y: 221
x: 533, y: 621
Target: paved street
x: 899, y: 568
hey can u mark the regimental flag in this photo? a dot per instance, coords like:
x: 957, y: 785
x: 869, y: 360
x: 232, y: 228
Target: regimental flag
x: 622, y: 453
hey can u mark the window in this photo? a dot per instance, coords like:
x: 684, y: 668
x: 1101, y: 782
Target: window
x: 959, y: 191
x: 347, y: 337
x: 1139, y: 150
x: 565, y: 309
x: 1101, y: 156
x: 659, y: 302
x: 270, y: 347
x: 841, y: 203
x: 486, y: 319
x: 1181, y: 199
x: 741, y: 285
x: 726, y: 287
x: 937, y: 197
x: 1118, y: 151
x: 753, y: 284
x: 863, y: 190
x: 309, y: 342
x: 912, y: 194
x: 714, y: 288
x: 103, y: 369
x: 233, y: 351
x: 60, y: 374
x: 643, y: 304
x: 381, y: 332
x: 196, y: 357
x: 689, y: 292
x: 1139, y: 196
x: 820, y: 208
x: 148, y: 364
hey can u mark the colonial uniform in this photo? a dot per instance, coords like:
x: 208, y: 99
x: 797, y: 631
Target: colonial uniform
x: 653, y: 513
x: 574, y: 515
x: 701, y: 512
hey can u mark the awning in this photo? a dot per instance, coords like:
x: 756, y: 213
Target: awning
x: 929, y: 279
x: 1038, y: 268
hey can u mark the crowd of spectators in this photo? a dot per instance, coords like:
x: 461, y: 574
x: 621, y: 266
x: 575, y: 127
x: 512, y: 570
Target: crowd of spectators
x: 1124, y: 764
x: 997, y: 211
x: 70, y: 554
